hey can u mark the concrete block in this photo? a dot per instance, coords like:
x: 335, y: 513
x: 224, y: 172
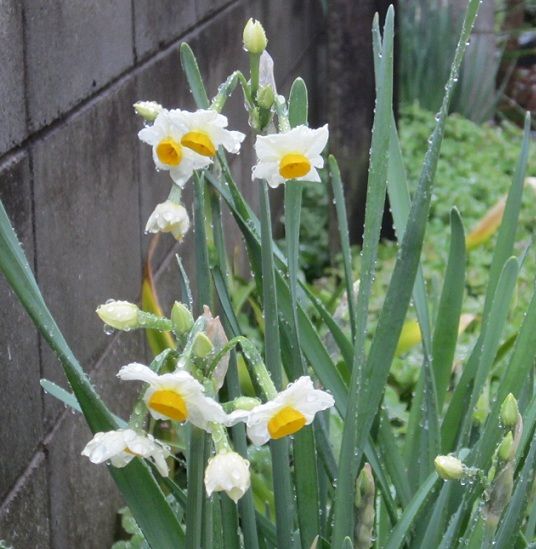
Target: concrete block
x: 20, y: 397
x: 218, y: 46
x: 290, y: 26
x: 87, y: 222
x: 12, y: 108
x: 159, y: 23
x: 73, y: 48
x: 24, y: 517
x: 84, y: 499
x: 206, y: 8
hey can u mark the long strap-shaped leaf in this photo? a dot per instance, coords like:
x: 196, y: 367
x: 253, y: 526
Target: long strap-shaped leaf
x: 137, y: 485
x: 376, y: 189
x: 396, y: 303
x: 305, y: 467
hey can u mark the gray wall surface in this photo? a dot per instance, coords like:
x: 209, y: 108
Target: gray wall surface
x: 79, y: 187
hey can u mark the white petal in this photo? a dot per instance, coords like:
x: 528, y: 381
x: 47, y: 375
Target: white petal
x: 269, y: 148
x: 312, y: 176
x: 231, y: 140
x: 257, y: 423
x: 237, y: 416
x: 104, y: 445
x: 265, y: 170
x: 121, y: 460
x: 150, y: 135
x: 202, y: 410
x: 137, y: 372
x: 315, y: 141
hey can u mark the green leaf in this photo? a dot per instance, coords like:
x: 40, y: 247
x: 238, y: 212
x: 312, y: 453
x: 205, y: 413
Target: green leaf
x: 305, y: 470
x: 279, y: 448
x: 342, y: 224
x: 504, y: 246
x: 450, y: 307
x: 398, y: 294
x: 411, y: 512
x: 195, y: 81
x: 136, y: 483
x: 375, y: 202
x: 459, y: 415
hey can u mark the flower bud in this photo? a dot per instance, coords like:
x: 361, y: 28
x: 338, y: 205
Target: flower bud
x: 148, y: 110
x: 202, y: 346
x: 245, y: 403
x: 182, y: 318
x: 265, y: 97
x: 254, y: 37
x: 449, y: 467
x: 506, y: 448
x: 227, y: 472
x: 509, y: 411
x: 120, y: 315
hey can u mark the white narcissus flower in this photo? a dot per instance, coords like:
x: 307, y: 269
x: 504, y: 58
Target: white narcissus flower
x: 169, y: 217
x: 288, y: 412
x: 177, y: 396
x: 122, y: 446
x: 227, y: 472
x: 205, y: 132
x: 168, y: 153
x: 295, y: 154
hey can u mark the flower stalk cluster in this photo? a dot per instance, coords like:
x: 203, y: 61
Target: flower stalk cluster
x: 188, y: 394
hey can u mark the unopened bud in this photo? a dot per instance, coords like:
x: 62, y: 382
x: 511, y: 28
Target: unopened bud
x: 265, y: 97
x: 148, y: 110
x: 509, y: 411
x: 121, y: 315
x: 202, y: 346
x: 506, y: 449
x: 182, y: 318
x: 254, y: 37
x: 449, y: 467
x: 245, y: 403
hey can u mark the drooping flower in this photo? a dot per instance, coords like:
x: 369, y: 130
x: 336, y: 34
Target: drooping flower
x: 177, y: 396
x: 122, y: 446
x: 288, y: 412
x: 205, y: 131
x: 165, y: 137
x: 295, y: 154
x: 227, y: 472
x: 121, y: 315
x: 169, y: 217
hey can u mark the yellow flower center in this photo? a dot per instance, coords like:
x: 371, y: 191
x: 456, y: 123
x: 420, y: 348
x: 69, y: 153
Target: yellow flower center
x: 169, y: 152
x: 286, y: 422
x: 294, y: 165
x: 199, y: 142
x: 169, y: 404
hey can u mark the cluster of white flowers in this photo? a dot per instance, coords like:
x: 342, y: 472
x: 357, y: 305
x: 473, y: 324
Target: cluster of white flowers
x: 183, y: 142
x: 178, y: 396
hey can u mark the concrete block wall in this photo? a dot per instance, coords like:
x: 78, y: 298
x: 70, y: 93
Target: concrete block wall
x: 79, y: 187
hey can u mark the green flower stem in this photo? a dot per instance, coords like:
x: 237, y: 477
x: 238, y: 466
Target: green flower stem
x: 154, y: 322
x: 175, y: 194
x: 254, y: 62
x: 220, y: 438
